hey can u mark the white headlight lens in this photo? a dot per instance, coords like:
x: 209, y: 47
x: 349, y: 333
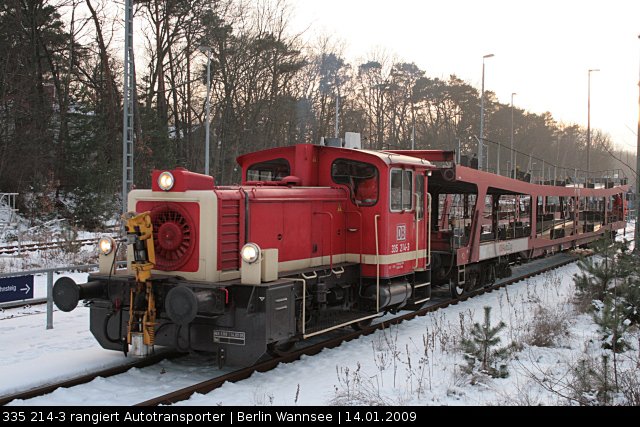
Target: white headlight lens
x: 106, y: 245
x: 166, y: 181
x: 250, y: 253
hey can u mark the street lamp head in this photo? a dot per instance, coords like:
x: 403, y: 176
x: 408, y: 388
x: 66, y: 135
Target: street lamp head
x: 594, y: 69
x: 204, y: 49
x: 491, y: 55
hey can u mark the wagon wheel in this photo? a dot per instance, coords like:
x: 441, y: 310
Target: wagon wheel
x: 456, y: 290
x: 363, y: 324
x: 280, y: 348
x: 494, y: 275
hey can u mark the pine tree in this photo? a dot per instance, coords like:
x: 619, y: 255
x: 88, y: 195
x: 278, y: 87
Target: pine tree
x: 611, y: 286
x: 613, y: 324
x: 483, y: 348
x: 630, y: 298
x: 594, y: 280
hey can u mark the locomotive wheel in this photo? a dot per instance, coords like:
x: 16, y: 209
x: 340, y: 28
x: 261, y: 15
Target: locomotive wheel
x: 363, y: 324
x: 280, y: 348
x: 489, y: 275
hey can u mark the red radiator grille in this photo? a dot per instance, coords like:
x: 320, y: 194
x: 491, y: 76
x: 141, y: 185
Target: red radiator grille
x: 175, y: 234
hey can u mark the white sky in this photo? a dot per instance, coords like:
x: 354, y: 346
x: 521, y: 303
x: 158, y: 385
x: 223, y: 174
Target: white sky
x: 543, y: 48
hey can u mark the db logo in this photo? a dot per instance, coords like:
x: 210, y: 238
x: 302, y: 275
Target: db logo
x: 401, y: 233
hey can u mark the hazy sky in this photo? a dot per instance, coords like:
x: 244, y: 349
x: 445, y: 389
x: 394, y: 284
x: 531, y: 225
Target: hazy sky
x: 543, y: 49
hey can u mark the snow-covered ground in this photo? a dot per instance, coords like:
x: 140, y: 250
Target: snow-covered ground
x: 32, y: 355
x: 417, y: 362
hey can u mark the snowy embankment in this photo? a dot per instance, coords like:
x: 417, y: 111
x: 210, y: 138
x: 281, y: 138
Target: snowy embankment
x: 31, y: 356
x: 419, y: 362
x: 22, y: 232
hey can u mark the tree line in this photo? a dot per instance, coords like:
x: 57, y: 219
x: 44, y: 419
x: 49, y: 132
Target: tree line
x: 61, y: 99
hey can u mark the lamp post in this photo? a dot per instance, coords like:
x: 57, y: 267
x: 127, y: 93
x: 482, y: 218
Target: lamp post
x: 637, y: 229
x: 207, y: 49
x: 589, y: 125
x: 491, y: 55
x: 513, y: 166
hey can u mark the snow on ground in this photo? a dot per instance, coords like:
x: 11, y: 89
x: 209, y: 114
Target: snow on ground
x: 32, y: 356
x: 418, y: 362
x: 135, y: 386
x: 415, y: 363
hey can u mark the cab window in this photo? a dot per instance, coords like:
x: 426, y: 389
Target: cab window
x: 361, y: 178
x: 420, y: 195
x: 273, y: 170
x: 401, y: 190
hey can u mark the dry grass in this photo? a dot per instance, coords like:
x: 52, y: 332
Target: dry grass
x: 548, y: 328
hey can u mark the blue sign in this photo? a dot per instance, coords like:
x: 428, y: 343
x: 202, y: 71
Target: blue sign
x: 16, y: 288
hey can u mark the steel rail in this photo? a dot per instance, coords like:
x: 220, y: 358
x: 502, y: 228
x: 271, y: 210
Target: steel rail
x: 33, y: 247
x: 83, y: 379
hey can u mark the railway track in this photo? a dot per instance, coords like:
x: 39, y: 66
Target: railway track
x: 34, y: 247
x: 523, y: 272
x: 22, y: 304
x: 83, y: 379
x: 27, y: 310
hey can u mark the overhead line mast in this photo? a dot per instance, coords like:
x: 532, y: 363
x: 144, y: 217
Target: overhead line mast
x: 128, y: 93
x: 637, y: 229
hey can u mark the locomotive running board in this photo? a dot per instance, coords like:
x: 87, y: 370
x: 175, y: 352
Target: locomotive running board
x: 342, y: 325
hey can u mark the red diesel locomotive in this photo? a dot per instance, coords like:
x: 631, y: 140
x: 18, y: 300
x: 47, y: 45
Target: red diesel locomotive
x: 318, y: 238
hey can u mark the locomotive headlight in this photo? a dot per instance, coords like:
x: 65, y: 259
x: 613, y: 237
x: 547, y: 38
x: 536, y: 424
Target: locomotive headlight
x: 250, y: 253
x: 166, y: 181
x: 106, y: 245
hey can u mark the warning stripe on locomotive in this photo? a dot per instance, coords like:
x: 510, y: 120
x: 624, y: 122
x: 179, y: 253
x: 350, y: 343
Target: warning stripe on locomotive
x: 228, y: 337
